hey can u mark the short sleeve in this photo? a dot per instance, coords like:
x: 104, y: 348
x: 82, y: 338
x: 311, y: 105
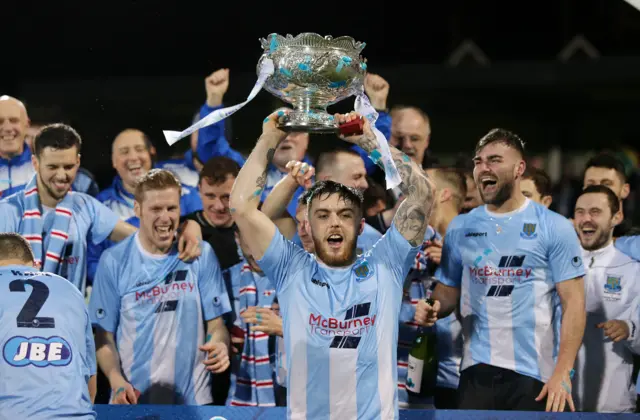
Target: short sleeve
x: 282, y: 261
x: 213, y: 292
x: 395, y: 252
x: 103, y: 220
x: 565, y: 261
x: 104, y: 305
x: 449, y: 272
x: 90, y: 356
x: 10, y: 220
x: 629, y: 245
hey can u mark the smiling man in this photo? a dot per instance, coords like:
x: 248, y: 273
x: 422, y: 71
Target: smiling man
x: 215, y: 219
x: 16, y: 166
x: 505, y: 264
x: 604, y: 367
x: 149, y: 308
x: 60, y: 223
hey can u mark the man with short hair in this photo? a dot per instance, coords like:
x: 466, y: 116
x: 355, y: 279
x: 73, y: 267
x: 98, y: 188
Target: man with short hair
x: 48, y: 367
x: 606, y: 169
x: 340, y: 311
x: 506, y: 263
x: 604, y: 366
x: 154, y: 305
x: 16, y: 168
x: 536, y: 185
x: 215, y: 219
x: 59, y: 223
x: 344, y: 166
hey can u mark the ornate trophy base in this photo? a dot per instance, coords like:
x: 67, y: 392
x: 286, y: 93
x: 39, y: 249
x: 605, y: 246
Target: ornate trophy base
x: 318, y: 122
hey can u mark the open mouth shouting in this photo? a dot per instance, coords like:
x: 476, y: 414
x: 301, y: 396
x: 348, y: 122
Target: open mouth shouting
x: 335, y: 241
x: 488, y: 183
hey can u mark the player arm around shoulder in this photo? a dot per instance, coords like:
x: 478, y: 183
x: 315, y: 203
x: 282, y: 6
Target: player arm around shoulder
x: 250, y: 184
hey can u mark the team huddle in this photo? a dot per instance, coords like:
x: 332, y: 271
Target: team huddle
x: 516, y: 278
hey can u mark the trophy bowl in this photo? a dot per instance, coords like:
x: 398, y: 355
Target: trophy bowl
x: 312, y: 72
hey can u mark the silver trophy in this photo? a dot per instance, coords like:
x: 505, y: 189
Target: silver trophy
x: 312, y: 72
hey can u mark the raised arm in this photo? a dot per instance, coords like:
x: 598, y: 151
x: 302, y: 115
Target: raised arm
x: 249, y: 185
x: 300, y: 174
x: 412, y: 217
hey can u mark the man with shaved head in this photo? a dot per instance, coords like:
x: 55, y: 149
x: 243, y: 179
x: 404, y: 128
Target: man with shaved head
x: 16, y: 168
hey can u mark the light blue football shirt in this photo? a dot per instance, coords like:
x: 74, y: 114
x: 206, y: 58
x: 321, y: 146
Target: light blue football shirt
x: 340, y: 328
x: 156, y: 306
x: 47, y: 347
x: 629, y: 245
x: 507, y: 267
x: 91, y: 222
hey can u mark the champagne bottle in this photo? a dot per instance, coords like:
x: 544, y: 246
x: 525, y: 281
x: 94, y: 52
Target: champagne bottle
x: 422, y: 371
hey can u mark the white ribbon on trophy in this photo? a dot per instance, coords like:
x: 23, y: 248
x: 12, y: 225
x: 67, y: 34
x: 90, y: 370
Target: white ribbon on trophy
x: 363, y: 107
x: 266, y: 70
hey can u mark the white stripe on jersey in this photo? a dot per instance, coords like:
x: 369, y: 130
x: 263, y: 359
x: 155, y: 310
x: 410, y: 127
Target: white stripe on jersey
x: 544, y: 336
x: 500, y: 321
x: 387, y: 371
x: 298, y: 382
x: 163, y: 360
x: 201, y: 376
x: 126, y: 337
x: 342, y: 370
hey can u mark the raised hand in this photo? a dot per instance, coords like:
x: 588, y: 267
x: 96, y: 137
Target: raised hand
x: 367, y: 138
x: 377, y: 89
x: 302, y: 173
x: 216, y: 85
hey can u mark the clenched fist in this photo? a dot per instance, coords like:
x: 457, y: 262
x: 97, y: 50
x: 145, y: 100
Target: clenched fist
x: 216, y: 86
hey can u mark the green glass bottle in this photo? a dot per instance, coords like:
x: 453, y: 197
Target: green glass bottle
x: 422, y: 370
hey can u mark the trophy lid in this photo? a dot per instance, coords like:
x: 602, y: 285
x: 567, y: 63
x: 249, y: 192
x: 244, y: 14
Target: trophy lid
x: 310, y: 39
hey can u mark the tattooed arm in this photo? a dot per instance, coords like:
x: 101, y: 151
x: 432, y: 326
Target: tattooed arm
x: 248, y: 188
x: 412, y: 217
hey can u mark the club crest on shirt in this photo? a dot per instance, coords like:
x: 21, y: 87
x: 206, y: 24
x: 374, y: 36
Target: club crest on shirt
x: 528, y: 231
x: 612, y: 287
x: 363, y: 270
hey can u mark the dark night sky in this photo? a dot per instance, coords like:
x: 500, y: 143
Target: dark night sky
x: 126, y: 38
